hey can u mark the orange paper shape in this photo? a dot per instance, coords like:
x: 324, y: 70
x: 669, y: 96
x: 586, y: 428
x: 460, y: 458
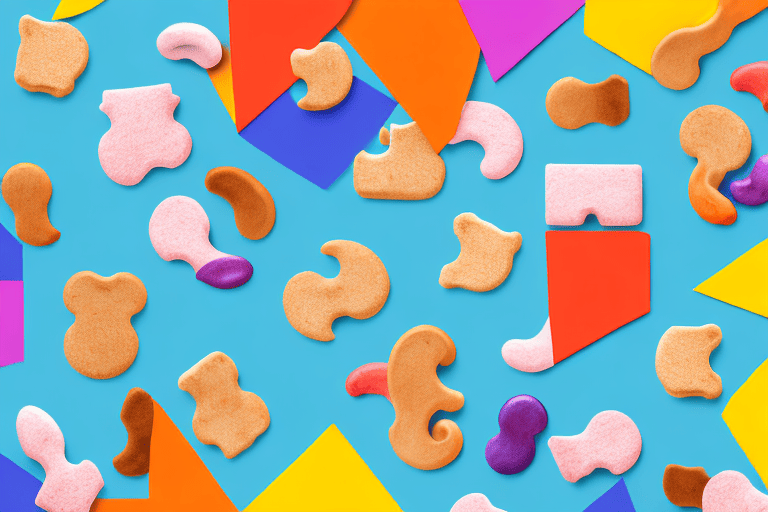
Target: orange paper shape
x: 262, y: 34
x: 598, y: 282
x: 425, y: 54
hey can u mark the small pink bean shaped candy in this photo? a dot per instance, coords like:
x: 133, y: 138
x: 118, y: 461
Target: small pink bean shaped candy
x: 190, y: 41
x: 611, y: 441
x: 179, y: 230
x: 730, y: 491
x: 67, y: 487
x: 143, y: 135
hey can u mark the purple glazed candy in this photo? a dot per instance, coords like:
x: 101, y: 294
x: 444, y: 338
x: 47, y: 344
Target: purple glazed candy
x: 753, y: 189
x: 513, y: 448
x: 225, y: 273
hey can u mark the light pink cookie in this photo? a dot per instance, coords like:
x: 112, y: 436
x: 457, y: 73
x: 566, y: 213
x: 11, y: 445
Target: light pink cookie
x: 497, y: 132
x: 611, y: 441
x: 190, y: 41
x: 474, y: 502
x: 67, y: 487
x: 532, y: 355
x: 614, y: 193
x: 143, y: 135
x: 730, y: 491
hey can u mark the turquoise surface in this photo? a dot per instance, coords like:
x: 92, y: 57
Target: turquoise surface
x: 104, y: 229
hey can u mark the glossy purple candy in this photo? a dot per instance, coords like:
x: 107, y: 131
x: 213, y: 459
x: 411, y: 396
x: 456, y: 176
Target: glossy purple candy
x: 753, y: 189
x: 513, y: 448
x: 229, y: 272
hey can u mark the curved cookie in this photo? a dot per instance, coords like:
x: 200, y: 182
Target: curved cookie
x: 532, y: 355
x: 512, y: 450
x: 684, y: 486
x: 190, y: 41
x: 312, y: 302
x: 486, y: 255
x: 682, y: 361
x: 226, y: 415
x: 572, y: 103
x: 251, y: 201
x: 27, y: 189
x: 102, y: 343
x: 369, y: 379
x: 138, y: 416
x: 474, y: 502
x: 731, y: 491
x: 51, y: 56
x: 328, y: 73
x: 416, y: 393
x: 752, y: 78
x: 721, y: 142
x: 753, y: 190
x: 409, y: 170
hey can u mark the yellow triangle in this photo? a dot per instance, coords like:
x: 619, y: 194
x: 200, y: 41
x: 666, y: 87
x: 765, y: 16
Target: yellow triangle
x: 69, y: 8
x: 329, y: 476
x: 743, y: 283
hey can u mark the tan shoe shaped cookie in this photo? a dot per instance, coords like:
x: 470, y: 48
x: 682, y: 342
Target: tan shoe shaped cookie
x: 682, y: 361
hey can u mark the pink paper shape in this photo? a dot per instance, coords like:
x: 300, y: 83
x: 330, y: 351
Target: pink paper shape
x: 507, y: 30
x: 11, y: 322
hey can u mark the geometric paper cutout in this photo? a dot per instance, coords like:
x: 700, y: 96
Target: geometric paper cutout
x: 69, y: 8
x: 18, y: 489
x: 615, y: 499
x: 11, y: 322
x: 221, y: 78
x: 11, y: 257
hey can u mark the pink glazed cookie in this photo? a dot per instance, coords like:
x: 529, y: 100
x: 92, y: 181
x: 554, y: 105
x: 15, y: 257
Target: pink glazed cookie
x: 190, y: 41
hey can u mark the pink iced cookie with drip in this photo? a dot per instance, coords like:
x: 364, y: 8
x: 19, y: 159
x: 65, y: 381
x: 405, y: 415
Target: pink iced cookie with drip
x: 143, y: 135
x: 474, y: 502
x: 497, y: 132
x: 730, y: 491
x: 611, y: 441
x: 179, y: 230
x: 532, y: 355
x: 190, y: 41
x: 614, y: 193
x: 67, y: 487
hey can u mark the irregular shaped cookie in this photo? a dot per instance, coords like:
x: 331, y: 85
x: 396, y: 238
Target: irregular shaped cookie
x: 512, y: 450
x: 312, y: 302
x: 684, y: 486
x: 369, y: 379
x: 572, y: 103
x: 409, y: 170
x: 753, y: 190
x: 486, y: 255
x: 721, y: 142
x: 328, y: 73
x: 51, y: 56
x: 27, y: 189
x: 251, y: 201
x: 226, y: 415
x: 474, y: 502
x: 682, y: 361
x: 731, y: 491
x: 190, y: 41
x: 531, y: 355
x: 102, y: 343
x: 752, y: 78
x: 138, y: 416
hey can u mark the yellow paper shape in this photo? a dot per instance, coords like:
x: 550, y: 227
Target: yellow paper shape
x: 328, y: 477
x: 69, y: 8
x: 221, y: 78
x: 746, y: 414
x: 633, y: 28
x: 743, y: 283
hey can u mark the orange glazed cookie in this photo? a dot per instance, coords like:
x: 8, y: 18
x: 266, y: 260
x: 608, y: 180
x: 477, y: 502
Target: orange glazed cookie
x: 27, y: 190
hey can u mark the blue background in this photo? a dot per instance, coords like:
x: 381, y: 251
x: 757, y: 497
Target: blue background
x: 104, y: 229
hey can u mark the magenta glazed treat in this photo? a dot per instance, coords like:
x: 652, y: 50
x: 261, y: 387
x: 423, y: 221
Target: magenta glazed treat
x: 228, y: 272
x: 513, y: 448
x: 753, y: 189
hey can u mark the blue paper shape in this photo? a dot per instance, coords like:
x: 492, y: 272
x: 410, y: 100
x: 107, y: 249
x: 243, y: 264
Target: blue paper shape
x: 18, y: 489
x: 320, y: 145
x: 616, y: 499
x: 11, y: 262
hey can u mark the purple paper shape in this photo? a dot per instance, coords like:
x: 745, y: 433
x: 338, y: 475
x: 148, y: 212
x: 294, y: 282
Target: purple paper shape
x: 513, y: 448
x: 753, y: 190
x: 320, y: 145
x: 11, y: 261
x: 616, y: 499
x: 18, y: 489
x: 507, y: 30
x: 11, y: 323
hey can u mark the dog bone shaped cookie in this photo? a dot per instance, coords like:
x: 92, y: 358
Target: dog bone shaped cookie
x: 682, y: 361
x: 611, y: 441
x: 416, y: 393
x: 369, y: 379
x: 67, y: 487
x: 753, y: 190
x: 190, y: 41
x: 512, y: 450
x: 328, y: 73
x: 721, y: 142
x: 312, y: 302
x: 102, y: 343
x: 138, y: 417
x: 731, y: 491
x: 226, y: 415
x: 474, y: 502
x: 251, y: 201
x: 27, y: 189
x: 684, y: 486
x: 572, y: 103
x: 752, y: 78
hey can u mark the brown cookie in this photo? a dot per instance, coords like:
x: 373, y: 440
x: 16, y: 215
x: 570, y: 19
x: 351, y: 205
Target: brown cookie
x: 572, y: 103
x: 27, y: 190
x: 682, y: 361
x: 137, y: 415
x: 328, y: 73
x: 51, y: 56
x: 251, y: 201
x: 684, y: 486
x: 102, y: 344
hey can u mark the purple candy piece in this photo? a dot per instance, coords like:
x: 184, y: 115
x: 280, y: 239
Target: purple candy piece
x: 513, y: 449
x: 225, y: 273
x: 753, y: 189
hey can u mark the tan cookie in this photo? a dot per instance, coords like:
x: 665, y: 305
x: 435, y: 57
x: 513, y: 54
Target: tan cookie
x: 682, y: 361
x: 27, y: 190
x: 486, y: 255
x: 226, y: 415
x: 102, y: 344
x: 572, y: 103
x: 251, y: 201
x: 51, y: 56
x: 684, y: 486
x: 312, y: 302
x: 675, y: 61
x: 721, y: 142
x: 138, y: 416
x: 416, y: 393
x: 410, y: 169
x: 328, y: 73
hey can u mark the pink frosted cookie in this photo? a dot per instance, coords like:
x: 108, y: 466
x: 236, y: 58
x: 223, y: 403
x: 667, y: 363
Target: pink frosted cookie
x: 67, y: 487
x: 190, y: 41
x: 179, y: 230
x: 474, y: 502
x: 614, y: 193
x: 143, y: 135
x: 532, y: 355
x: 730, y: 491
x: 497, y: 132
x: 611, y: 441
